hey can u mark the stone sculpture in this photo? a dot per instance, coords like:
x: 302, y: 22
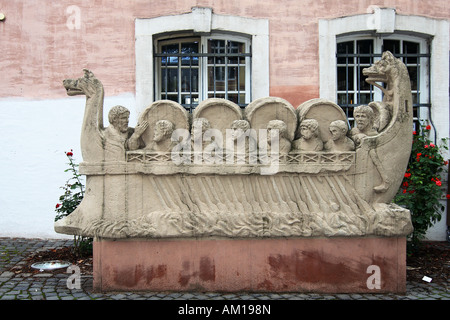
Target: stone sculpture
x: 364, y: 119
x: 162, y: 136
x: 309, y: 137
x: 244, y: 143
x: 313, y: 191
x: 98, y: 143
x: 339, y: 140
x: 284, y: 144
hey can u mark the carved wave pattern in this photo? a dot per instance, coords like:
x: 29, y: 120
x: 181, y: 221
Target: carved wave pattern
x: 257, y: 206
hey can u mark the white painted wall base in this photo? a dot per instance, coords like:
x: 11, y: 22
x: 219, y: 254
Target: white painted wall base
x: 34, y: 136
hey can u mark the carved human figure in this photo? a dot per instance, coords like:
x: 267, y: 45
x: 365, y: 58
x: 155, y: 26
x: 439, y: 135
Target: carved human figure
x: 162, y: 136
x: 309, y: 140
x: 284, y: 145
x: 339, y: 140
x: 364, y: 119
x: 203, y: 142
x: 119, y: 137
x: 241, y: 137
x: 199, y: 127
x: 244, y: 143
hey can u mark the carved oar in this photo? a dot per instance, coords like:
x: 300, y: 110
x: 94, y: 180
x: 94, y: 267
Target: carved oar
x: 342, y: 204
x: 194, y: 207
x: 322, y: 203
x: 194, y: 193
x: 230, y: 205
x: 264, y: 205
x: 312, y: 205
x: 272, y: 204
x: 176, y: 195
x: 209, y: 202
x: 160, y: 195
x: 291, y: 204
x: 250, y: 193
x: 361, y: 203
x: 301, y: 204
x: 222, y: 207
x: 245, y: 202
x: 281, y: 201
x: 238, y: 204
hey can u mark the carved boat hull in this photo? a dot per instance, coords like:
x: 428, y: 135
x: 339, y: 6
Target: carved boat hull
x: 179, y: 194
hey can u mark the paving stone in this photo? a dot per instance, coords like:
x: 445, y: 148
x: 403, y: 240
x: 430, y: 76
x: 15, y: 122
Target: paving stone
x: 46, y: 286
x: 42, y: 275
x: 7, y: 274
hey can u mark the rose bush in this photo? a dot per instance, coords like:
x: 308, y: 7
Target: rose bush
x: 69, y: 201
x: 421, y: 187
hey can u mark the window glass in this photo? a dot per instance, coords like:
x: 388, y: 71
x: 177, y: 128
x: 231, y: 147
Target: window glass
x: 189, y: 74
x: 355, y: 55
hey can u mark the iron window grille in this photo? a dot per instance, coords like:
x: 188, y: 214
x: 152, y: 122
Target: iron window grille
x: 189, y: 76
x: 352, y: 90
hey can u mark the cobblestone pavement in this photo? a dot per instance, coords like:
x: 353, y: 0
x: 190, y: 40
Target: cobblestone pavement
x: 48, y: 286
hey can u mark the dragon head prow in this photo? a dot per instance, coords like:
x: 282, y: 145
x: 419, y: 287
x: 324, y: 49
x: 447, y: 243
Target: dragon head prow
x: 87, y: 85
x: 382, y: 70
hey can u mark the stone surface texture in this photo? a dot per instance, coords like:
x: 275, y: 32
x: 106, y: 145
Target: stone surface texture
x: 218, y: 180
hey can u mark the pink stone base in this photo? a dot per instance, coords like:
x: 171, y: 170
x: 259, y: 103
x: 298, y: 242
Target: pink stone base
x: 328, y: 265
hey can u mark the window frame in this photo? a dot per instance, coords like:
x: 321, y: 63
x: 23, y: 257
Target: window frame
x: 199, y: 21
x: 422, y: 91
x: 384, y: 21
x: 203, y: 55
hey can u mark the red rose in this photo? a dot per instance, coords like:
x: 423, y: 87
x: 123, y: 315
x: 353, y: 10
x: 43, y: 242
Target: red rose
x: 407, y: 175
x: 414, y: 132
x: 447, y: 196
x: 69, y: 154
x: 428, y: 127
x: 58, y: 205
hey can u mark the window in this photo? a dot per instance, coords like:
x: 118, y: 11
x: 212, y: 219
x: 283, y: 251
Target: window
x: 200, y: 25
x: 192, y: 69
x: 355, y: 54
x: 383, y: 24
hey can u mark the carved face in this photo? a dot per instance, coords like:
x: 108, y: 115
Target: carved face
x: 306, y: 132
x: 238, y: 128
x: 161, y: 132
x: 121, y: 122
x: 336, y: 133
x: 158, y: 134
x: 362, y: 120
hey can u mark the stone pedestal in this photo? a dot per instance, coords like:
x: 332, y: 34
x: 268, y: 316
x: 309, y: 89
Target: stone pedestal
x: 325, y: 265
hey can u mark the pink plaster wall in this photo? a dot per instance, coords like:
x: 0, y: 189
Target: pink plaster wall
x: 38, y: 50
